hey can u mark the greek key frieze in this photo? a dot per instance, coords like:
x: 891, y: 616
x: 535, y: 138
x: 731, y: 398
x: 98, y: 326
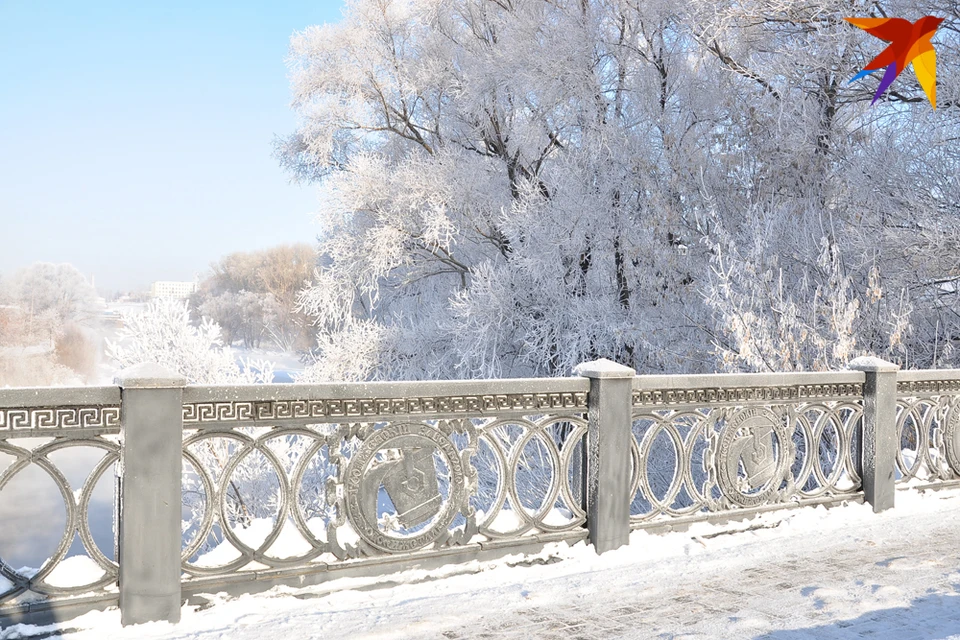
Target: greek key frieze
x: 36, y: 418
x: 790, y: 393
x: 269, y: 410
x: 928, y: 387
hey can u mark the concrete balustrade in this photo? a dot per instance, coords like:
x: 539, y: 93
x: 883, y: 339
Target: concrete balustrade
x: 422, y: 474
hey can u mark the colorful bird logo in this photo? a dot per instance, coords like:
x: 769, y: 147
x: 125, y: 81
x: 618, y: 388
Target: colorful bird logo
x: 908, y: 43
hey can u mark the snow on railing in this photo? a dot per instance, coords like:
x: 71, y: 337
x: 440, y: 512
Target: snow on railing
x: 239, y: 488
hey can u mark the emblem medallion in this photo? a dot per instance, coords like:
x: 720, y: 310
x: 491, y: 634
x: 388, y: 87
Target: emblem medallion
x: 753, y: 456
x: 400, y: 460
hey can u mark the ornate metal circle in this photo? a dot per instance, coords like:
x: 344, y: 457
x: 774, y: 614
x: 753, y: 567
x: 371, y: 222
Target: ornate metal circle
x: 951, y: 437
x: 407, y: 472
x: 747, y: 444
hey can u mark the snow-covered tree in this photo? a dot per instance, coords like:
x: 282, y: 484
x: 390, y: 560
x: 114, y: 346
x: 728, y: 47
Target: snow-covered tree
x: 828, y: 233
x: 163, y: 333
x: 48, y: 326
x: 57, y: 293
x: 240, y: 315
x: 498, y: 200
x: 253, y: 296
x: 514, y: 186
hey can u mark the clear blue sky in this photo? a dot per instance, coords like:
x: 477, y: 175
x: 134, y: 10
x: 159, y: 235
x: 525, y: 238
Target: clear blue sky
x: 136, y: 137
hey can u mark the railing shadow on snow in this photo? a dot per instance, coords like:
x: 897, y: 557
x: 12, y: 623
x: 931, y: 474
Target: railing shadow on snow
x: 929, y: 617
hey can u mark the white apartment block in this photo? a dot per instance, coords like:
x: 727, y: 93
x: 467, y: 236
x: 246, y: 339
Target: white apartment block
x: 170, y: 289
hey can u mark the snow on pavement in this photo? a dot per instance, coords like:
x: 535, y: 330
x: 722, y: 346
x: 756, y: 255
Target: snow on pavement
x: 807, y: 573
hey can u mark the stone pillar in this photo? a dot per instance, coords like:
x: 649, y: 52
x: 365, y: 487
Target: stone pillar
x: 879, y: 442
x: 606, y: 455
x: 149, y: 543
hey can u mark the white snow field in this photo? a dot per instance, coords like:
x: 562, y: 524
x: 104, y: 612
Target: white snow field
x: 805, y: 573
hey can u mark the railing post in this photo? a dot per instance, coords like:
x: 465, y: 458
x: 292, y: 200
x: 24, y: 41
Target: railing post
x: 879, y: 441
x: 151, y: 419
x: 606, y: 456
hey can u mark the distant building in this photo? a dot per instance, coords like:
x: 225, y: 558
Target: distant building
x: 169, y: 289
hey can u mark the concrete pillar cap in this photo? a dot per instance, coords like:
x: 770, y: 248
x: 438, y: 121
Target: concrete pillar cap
x: 872, y: 363
x: 149, y: 375
x: 603, y: 368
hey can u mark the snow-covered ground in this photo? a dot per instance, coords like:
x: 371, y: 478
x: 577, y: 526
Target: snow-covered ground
x: 809, y: 573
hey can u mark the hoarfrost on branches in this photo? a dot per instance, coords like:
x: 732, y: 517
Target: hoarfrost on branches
x: 163, y: 333
x: 511, y: 188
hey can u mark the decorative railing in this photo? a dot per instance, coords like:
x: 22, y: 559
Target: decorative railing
x: 238, y: 488
x: 293, y: 480
x: 711, y: 443
x: 37, y: 428
x: 928, y: 426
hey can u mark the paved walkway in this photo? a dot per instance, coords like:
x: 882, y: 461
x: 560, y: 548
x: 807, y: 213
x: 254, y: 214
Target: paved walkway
x: 902, y: 587
x: 808, y: 573
x: 893, y: 576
